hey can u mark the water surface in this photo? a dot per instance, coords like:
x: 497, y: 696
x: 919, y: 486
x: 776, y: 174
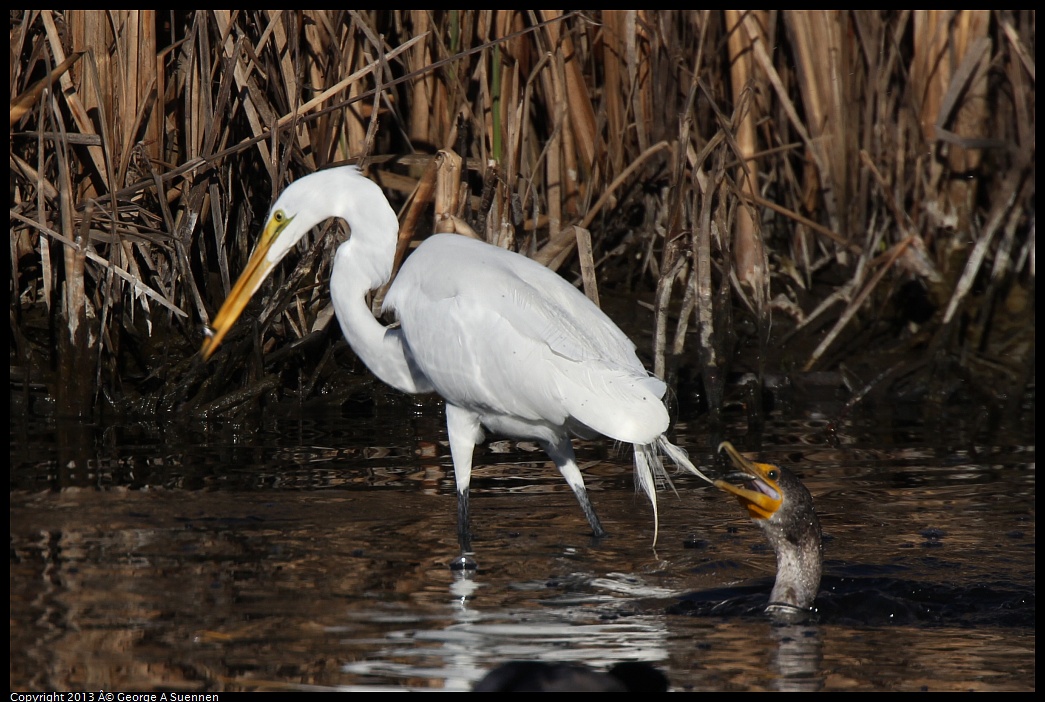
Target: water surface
x: 312, y: 554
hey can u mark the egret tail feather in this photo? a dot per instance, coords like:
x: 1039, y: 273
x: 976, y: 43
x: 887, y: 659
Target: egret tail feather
x: 650, y: 473
x: 679, y: 457
x: 648, y: 468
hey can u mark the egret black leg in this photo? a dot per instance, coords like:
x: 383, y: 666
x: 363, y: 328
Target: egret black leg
x: 464, y: 432
x: 464, y: 562
x: 464, y: 531
x: 589, y: 512
x: 562, y: 453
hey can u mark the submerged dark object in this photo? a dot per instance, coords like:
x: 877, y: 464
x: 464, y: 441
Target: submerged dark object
x: 535, y: 676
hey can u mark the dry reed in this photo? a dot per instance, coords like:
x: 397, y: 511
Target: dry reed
x: 805, y: 169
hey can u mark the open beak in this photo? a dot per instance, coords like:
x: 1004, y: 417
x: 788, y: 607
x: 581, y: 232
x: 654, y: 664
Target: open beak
x: 258, y: 268
x: 762, y: 497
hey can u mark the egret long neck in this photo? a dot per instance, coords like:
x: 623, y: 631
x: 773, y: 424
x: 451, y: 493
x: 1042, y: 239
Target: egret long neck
x: 380, y: 348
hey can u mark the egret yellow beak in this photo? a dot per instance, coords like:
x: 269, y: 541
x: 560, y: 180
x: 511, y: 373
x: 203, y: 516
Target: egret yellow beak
x: 765, y: 499
x: 258, y: 268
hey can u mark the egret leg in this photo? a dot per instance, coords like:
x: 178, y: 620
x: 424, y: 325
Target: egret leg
x: 464, y: 432
x: 561, y: 451
x: 464, y: 533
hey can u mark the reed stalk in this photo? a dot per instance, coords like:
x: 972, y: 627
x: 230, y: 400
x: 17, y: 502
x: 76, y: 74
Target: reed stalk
x: 805, y: 169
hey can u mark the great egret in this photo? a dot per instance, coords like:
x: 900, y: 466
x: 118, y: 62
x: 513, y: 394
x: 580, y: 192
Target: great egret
x: 509, y: 344
x: 782, y: 507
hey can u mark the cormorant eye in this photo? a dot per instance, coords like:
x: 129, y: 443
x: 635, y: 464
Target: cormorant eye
x: 773, y: 475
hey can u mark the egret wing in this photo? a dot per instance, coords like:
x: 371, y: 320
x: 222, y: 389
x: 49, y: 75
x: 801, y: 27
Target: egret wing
x: 500, y: 334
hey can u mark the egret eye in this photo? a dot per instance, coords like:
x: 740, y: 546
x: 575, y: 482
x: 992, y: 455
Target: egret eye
x: 278, y: 216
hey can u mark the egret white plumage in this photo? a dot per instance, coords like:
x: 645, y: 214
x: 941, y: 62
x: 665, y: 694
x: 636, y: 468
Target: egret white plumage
x: 509, y: 344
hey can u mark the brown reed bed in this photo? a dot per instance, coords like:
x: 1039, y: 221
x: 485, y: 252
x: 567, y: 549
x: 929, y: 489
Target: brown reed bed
x: 824, y: 188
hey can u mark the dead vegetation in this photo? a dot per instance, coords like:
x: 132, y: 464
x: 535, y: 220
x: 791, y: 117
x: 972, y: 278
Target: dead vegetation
x: 841, y: 182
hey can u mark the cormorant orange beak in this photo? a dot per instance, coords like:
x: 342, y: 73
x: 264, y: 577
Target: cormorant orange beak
x: 764, y: 498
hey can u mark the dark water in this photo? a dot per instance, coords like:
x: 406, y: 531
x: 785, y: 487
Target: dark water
x: 312, y: 554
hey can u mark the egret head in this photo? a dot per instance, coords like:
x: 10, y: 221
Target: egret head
x: 338, y: 192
